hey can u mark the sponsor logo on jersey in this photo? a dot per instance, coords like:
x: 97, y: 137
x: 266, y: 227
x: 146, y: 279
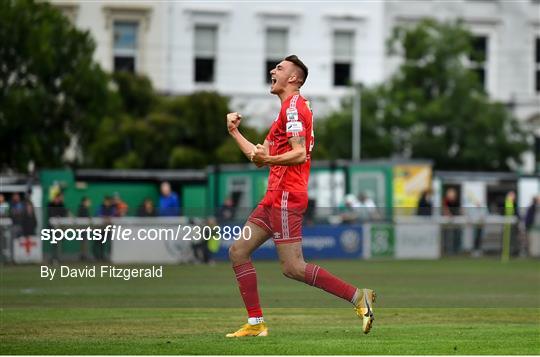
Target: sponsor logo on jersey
x: 292, y: 114
x: 294, y: 127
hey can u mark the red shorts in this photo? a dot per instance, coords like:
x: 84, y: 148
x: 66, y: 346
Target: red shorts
x: 281, y: 213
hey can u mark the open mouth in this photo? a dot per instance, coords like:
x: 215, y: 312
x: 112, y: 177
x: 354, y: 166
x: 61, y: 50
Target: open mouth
x: 274, y: 80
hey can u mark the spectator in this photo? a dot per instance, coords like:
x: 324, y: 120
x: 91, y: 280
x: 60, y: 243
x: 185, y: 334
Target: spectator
x: 4, y: 206
x: 16, y: 210
x: 425, y: 204
x: 511, y: 209
x: 351, y: 209
x: 146, y: 209
x: 214, y: 243
x: 107, y: 208
x: 121, y: 208
x: 169, y: 203
x: 529, y: 222
x: 84, y: 208
x: 56, y: 209
x: 477, y: 214
x: 368, y: 208
x: 106, y: 211
x: 28, y: 219
x: 84, y: 212
x: 227, y: 210
x: 451, y: 233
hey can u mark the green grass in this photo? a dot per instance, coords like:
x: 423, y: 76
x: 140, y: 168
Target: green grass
x: 452, y: 306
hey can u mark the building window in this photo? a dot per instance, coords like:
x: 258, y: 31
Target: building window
x: 537, y: 64
x: 125, y: 46
x: 205, y: 53
x: 343, y: 57
x: 478, y: 59
x: 276, y: 49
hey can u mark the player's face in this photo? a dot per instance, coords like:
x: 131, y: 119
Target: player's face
x: 280, y: 76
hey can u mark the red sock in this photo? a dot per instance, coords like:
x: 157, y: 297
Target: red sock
x: 247, y: 282
x: 317, y: 276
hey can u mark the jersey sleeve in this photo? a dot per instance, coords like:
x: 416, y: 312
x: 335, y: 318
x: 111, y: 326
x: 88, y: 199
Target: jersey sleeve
x: 296, y: 121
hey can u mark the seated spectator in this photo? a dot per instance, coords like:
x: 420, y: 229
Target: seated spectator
x: 146, y: 209
x: 169, y: 203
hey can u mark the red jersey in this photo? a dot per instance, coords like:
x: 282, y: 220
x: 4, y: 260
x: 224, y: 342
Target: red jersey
x: 295, y: 119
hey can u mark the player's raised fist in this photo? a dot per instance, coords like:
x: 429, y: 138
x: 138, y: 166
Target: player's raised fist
x: 233, y: 121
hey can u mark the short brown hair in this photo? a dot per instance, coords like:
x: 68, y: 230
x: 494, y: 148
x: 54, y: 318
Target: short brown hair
x: 294, y: 59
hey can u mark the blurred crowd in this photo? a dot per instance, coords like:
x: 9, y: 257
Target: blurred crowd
x: 356, y: 209
x: 113, y: 205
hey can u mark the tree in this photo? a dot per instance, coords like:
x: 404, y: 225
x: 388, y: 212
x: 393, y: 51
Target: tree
x: 51, y: 91
x: 162, y: 132
x: 433, y: 107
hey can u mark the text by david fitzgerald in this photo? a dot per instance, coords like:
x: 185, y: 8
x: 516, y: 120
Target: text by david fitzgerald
x: 101, y: 271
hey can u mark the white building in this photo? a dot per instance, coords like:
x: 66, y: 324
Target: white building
x: 184, y: 46
x: 508, y: 32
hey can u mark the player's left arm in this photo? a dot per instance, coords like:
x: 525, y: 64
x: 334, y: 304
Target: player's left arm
x: 296, y: 156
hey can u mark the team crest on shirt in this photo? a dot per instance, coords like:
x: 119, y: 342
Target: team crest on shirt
x: 292, y: 114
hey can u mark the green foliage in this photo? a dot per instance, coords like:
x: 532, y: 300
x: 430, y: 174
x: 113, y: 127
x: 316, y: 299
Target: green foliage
x: 51, y: 91
x: 138, y: 96
x: 433, y: 107
x: 185, y: 156
x: 162, y: 132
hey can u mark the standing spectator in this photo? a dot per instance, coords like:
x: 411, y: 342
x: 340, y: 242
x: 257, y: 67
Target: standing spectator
x: 106, y: 211
x: 4, y: 212
x: 56, y: 209
x: 529, y: 221
x: 451, y: 233
x: 121, y: 208
x: 28, y: 219
x: 146, y: 209
x: 511, y: 209
x: 169, y: 203
x: 425, y: 204
x: 4, y: 206
x: 214, y: 242
x: 84, y: 212
x: 16, y: 210
x: 107, y: 208
x: 477, y: 214
x: 227, y: 210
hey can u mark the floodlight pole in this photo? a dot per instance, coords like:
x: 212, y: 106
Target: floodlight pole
x: 357, y: 122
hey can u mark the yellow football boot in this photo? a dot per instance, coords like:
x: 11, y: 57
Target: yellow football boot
x: 364, y: 309
x: 259, y: 330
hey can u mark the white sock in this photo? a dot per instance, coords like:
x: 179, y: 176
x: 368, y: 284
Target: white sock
x: 255, y: 320
x: 357, y: 295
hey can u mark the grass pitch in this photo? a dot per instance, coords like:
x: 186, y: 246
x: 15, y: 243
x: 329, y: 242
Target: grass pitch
x: 452, y: 306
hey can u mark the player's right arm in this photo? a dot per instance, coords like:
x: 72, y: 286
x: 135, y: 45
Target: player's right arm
x: 233, y: 122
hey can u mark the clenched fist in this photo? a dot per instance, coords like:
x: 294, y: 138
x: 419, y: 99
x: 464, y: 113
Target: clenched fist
x: 233, y: 121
